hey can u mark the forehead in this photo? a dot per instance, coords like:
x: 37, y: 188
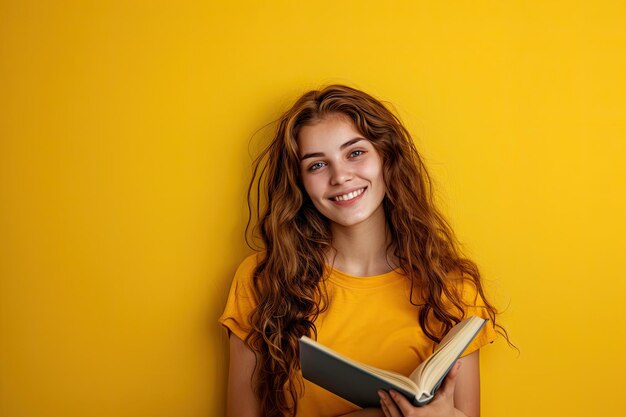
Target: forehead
x: 330, y: 132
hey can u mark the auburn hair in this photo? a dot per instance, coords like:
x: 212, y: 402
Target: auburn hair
x: 288, y: 281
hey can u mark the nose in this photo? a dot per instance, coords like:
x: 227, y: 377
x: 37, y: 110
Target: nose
x: 340, y: 173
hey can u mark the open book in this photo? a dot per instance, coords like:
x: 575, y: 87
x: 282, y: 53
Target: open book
x: 359, y: 383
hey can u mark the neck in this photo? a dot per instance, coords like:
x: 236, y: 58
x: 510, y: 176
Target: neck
x: 361, y: 249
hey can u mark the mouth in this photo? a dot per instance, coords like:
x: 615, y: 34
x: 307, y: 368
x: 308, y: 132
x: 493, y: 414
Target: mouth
x: 348, y: 196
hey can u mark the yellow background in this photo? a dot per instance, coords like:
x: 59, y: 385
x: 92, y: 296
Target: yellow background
x: 127, y: 130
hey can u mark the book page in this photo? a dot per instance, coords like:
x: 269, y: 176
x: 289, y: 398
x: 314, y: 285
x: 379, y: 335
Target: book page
x: 430, y: 372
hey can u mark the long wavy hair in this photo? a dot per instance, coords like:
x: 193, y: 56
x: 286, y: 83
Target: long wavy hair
x: 288, y: 280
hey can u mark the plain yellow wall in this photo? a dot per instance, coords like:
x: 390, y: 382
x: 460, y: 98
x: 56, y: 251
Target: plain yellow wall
x: 125, y: 148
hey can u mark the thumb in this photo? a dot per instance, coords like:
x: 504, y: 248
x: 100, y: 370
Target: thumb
x: 449, y: 384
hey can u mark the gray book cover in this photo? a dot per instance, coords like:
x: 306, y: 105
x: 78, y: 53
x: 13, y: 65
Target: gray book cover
x: 356, y: 384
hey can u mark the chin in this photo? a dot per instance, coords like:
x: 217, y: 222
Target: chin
x: 353, y: 221
x: 346, y: 217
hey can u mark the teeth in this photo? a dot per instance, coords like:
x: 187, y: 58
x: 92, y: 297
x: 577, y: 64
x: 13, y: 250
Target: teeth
x: 349, y: 196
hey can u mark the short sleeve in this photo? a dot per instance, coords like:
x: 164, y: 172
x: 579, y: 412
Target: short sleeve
x: 475, y: 306
x: 241, y: 300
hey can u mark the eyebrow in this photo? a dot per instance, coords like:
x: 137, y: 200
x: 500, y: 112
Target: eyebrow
x: 342, y: 147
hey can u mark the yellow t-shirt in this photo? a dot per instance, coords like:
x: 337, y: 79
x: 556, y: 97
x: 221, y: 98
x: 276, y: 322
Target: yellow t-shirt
x: 369, y: 319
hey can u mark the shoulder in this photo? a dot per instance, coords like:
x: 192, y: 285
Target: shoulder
x: 469, y: 293
x: 246, y: 267
x: 241, y: 298
x: 466, y: 289
x: 245, y: 271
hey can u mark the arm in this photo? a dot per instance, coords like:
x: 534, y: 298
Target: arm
x: 241, y: 402
x: 467, y: 392
x: 459, y: 395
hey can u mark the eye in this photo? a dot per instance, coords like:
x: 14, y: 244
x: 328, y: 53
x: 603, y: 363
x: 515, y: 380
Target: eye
x: 316, y: 166
x: 356, y: 153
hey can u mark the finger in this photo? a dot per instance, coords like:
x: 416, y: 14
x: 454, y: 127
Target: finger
x: 384, y: 408
x: 455, y: 368
x: 449, y: 384
x: 383, y: 405
x: 388, y: 405
x: 403, y: 404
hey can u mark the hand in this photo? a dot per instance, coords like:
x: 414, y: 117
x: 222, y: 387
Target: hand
x: 396, y: 405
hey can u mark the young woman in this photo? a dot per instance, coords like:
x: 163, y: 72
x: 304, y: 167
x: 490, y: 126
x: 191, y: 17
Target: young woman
x: 356, y: 255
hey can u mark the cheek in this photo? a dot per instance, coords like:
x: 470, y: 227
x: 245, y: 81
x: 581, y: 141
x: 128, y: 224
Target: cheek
x: 374, y: 170
x: 311, y: 186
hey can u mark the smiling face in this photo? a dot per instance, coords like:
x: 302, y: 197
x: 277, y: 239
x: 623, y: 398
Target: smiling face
x: 341, y: 171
